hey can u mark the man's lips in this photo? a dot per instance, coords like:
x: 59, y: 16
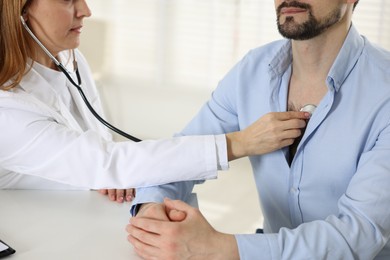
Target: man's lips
x: 292, y: 10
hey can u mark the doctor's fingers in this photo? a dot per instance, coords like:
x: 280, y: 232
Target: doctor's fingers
x: 119, y: 195
x: 129, y: 194
x: 288, y: 115
x: 264, y: 137
x: 111, y: 193
x: 273, y: 125
x: 272, y: 141
x: 276, y: 125
x: 284, y: 138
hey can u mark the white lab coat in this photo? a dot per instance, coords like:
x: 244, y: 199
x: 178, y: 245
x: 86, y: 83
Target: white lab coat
x: 42, y: 145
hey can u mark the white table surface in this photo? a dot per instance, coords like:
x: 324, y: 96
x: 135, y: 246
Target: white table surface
x: 69, y: 225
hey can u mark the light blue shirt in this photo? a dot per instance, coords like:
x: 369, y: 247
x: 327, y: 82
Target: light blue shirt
x: 333, y: 202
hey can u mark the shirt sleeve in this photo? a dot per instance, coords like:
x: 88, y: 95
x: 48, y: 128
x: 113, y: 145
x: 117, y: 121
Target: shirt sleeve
x: 360, y: 230
x: 177, y: 190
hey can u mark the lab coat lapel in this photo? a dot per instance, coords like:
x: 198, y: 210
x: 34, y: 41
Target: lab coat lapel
x: 90, y: 121
x: 47, y: 99
x: 90, y: 91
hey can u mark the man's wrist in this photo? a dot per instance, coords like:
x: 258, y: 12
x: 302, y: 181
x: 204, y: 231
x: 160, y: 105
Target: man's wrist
x: 227, y: 247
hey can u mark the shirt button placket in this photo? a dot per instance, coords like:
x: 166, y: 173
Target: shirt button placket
x: 295, y: 176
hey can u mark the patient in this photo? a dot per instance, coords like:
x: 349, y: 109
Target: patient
x: 324, y: 197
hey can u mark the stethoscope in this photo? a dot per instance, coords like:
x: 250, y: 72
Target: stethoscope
x: 308, y: 108
x: 77, y: 85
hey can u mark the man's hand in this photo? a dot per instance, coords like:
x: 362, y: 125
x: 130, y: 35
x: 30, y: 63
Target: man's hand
x: 271, y: 132
x: 119, y: 195
x: 153, y: 211
x: 191, y: 237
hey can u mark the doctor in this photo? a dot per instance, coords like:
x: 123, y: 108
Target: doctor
x: 49, y: 140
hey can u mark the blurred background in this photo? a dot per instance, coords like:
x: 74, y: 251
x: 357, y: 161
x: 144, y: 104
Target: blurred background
x: 157, y: 61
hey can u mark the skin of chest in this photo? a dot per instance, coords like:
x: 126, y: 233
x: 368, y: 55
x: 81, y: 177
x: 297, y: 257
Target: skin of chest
x: 301, y: 94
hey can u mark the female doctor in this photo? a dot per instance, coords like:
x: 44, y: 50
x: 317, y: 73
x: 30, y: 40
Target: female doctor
x: 50, y: 140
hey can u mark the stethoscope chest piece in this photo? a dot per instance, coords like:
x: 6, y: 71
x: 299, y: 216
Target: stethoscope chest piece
x: 308, y: 108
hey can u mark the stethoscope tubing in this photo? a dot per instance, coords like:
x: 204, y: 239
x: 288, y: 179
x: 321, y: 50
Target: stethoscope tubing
x: 62, y: 68
x: 91, y: 109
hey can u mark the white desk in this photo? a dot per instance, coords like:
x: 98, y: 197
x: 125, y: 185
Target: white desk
x: 71, y: 225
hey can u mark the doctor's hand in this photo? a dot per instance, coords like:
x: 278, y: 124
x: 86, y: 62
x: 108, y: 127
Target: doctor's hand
x: 271, y: 132
x: 192, y: 237
x: 119, y: 195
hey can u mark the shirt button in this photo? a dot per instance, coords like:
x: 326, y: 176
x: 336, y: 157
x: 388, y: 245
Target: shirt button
x: 293, y: 190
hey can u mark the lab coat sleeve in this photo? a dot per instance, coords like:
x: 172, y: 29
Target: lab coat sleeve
x: 37, y: 145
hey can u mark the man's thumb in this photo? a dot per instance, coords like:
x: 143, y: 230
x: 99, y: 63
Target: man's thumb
x: 176, y: 209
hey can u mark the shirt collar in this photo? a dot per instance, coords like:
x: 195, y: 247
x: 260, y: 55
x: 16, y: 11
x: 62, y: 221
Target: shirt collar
x: 281, y: 60
x: 342, y: 66
x: 347, y: 58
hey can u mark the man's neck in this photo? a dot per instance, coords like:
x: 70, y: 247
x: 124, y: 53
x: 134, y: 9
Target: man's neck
x: 312, y: 59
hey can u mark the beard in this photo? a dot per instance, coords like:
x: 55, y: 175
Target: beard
x: 309, y: 29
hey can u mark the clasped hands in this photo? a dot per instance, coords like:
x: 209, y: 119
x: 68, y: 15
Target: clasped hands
x: 175, y: 230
